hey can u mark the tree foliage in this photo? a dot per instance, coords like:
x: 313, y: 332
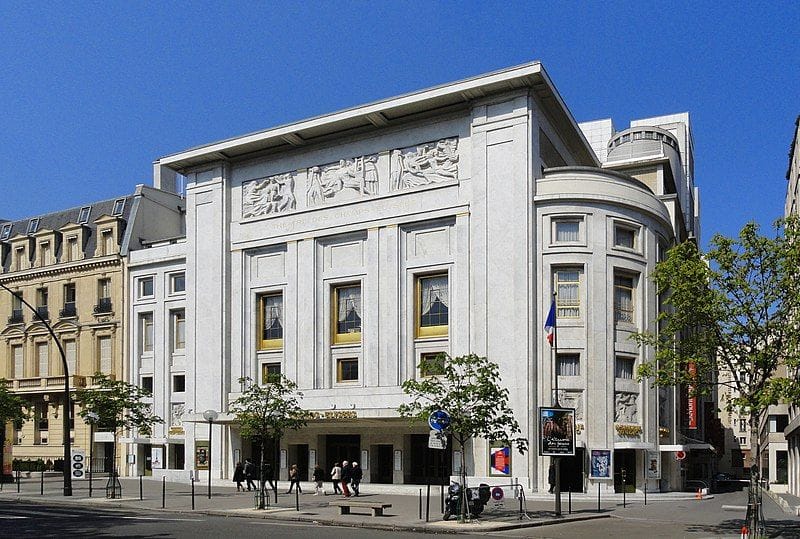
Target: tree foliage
x: 117, y: 404
x: 468, y: 389
x: 12, y: 406
x: 733, y: 310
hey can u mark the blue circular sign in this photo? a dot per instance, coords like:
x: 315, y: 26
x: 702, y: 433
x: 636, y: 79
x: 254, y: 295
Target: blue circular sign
x: 439, y: 420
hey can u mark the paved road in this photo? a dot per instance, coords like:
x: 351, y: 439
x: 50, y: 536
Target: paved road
x: 20, y: 519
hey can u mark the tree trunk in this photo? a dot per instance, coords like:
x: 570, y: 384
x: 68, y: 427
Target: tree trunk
x: 463, y: 476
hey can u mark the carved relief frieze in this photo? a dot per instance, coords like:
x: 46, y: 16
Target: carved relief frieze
x: 625, y: 407
x: 176, y: 416
x: 267, y: 196
x: 434, y: 162
x: 574, y: 399
x: 358, y: 175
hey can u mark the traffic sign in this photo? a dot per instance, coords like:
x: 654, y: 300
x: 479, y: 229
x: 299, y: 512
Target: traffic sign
x: 439, y: 420
x: 437, y: 440
x: 680, y: 455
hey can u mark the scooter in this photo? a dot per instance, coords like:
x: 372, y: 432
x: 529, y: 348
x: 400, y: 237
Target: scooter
x: 476, y: 500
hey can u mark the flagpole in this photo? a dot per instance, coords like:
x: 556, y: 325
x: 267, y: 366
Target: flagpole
x: 555, y: 353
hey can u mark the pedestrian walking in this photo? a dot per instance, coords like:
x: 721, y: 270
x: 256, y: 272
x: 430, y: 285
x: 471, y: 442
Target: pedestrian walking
x: 346, y: 476
x: 269, y: 475
x: 336, y: 477
x: 551, y: 477
x: 294, y: 479
x: 356, y: 474
x: 319, y: 476
x: 238, y: 476
x: 249, y: 474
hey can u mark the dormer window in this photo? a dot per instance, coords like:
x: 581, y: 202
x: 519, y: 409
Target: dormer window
x: 107, y: 241
x: 44, y: 253
x: 33, y: 226
x: 5, y: 232
x: 119, y: 206
x: 83, y: 216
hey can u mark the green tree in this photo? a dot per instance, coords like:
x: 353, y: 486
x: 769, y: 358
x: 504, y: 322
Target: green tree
x: 265, y: 413
x: 468, y: 389
x: 13, y: 408
x: 116, y: 405
x: 730, y: 320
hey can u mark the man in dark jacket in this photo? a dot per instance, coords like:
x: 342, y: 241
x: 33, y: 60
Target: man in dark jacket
x: 356, y: 474
x: 250, y: 474
x: 347, y: 475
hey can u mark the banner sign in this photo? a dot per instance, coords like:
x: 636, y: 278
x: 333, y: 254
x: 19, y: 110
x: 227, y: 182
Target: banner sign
x: 500, y: 461
x: 600, y: 464
x: 78, y: 464
x: 691, y: 406
x: 556, y: 432
x: 201, y: 455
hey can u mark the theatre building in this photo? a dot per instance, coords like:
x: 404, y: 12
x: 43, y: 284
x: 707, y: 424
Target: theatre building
x: 344, y: 249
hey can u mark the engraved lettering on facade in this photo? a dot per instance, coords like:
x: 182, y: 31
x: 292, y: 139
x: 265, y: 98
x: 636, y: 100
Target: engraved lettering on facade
x: 434, y: 162
x: 274, y: 194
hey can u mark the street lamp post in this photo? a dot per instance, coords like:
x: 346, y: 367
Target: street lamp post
x: 67, y: 400
x: 210, y: 416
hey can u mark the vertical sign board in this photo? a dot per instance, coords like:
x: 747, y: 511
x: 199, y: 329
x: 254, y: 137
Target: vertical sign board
x: 653, y: 465
x: 556, y: 432
x: 77, y: 463
x: 156, y: 458
x: 500, y: 461
x: 201, y: 455
x: 601, y: 464
x: 691, y: 403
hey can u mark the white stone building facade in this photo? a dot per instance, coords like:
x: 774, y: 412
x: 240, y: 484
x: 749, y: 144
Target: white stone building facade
x: 342, y: 249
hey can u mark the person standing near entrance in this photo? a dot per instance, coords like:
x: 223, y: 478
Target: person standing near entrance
x: 336, y: 477
x: 551, y: 477
x: 294, y: 479
x: 318, y: 476
x: 346, y: 476
x: 249, y: 474
x: 357, y: 474
x: 238, y: 476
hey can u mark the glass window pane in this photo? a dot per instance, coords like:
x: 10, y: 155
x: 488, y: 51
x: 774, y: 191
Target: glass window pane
x: 568, y: 293
x: 434, y: 301
x: 567, y: 231
x: 569, y: 365
x: 624, y: 368
x: 348, y: 301
x: 272, y: 316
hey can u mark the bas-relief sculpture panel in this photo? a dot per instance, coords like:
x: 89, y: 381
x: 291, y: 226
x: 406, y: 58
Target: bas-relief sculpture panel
x: 574, y: 399
x: 625, y: 407
x: 425, y: 164
x: 265, y: 196
x: 434, y: 162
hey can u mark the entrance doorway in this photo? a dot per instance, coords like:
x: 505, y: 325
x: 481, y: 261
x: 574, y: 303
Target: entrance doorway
x: 340, y: 447
x: 625, y: 460
x: 298, y: 454
x: 571, y: 469
x: 428, y: 465
x: 147, y: 453
x: 382, y: 464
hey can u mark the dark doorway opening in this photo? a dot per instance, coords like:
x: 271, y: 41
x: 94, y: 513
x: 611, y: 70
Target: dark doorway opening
x: 428, y: 465
x: 341, y: 447
x: 382, y: 464
x: 625, y: 460
x: 298, y: 454
x: 571, y: 469
x: 271, y: 456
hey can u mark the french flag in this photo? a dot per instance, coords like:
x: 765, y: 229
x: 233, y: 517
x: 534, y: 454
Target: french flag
x: 550, y: 324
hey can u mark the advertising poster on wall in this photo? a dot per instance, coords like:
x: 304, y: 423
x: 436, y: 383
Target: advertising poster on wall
x: 556, y: 432
x: 157, y: 458
x: 653, y: 465
x: 600, y: 465
x: 500, y: 461
x: 201, y: 455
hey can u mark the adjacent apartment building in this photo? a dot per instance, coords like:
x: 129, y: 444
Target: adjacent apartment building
x: 70, y: 266
x: 344, y: 249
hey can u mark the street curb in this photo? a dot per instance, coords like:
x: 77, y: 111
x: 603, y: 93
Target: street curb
x: 282, y: 516
x: 784, y: 505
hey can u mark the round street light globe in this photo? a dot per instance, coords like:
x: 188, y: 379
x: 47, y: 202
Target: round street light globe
x: 210, y: 415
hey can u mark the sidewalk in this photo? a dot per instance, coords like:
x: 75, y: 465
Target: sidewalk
x: 407, y: 512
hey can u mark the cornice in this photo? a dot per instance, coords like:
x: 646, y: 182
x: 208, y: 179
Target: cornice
x: 61, y: 269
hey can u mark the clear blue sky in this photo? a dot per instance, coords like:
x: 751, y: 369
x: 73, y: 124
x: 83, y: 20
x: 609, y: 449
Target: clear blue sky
x: 92, y: 93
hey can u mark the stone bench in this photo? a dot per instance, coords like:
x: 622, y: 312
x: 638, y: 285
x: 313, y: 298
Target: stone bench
x: 345, y: 505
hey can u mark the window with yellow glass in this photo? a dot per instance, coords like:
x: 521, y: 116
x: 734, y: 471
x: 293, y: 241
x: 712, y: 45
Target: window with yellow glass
x: 432, y: 310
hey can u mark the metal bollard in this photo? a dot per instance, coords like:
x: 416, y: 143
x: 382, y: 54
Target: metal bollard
x: 163, y: 492
x: 140, y: 489
x: 420, y: 504
x: 598, y: 496
x: 569, y: 501
x: 41, y: 484
x: 192, y: 493
x: 297, y: 497
x: 428, y: 504
x: 17, y: 481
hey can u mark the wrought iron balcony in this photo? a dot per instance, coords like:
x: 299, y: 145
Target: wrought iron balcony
x: 16, y: 317
x: 69, y: 310
x: 43, y: 312
x: 103, y: 306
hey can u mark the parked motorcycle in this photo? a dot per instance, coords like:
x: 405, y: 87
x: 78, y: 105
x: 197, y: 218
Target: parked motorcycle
x: 476, y: 500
